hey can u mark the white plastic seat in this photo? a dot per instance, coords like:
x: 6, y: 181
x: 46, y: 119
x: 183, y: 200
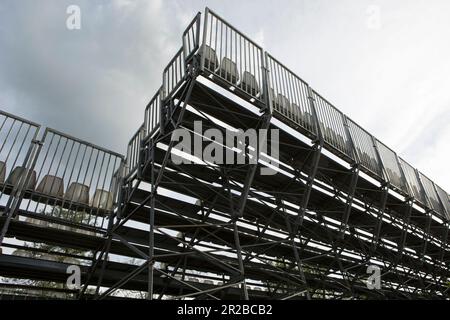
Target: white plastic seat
x: 16, y: 174
x: 341, y: 141
x: 249, y: 84
x: 229, y: 71
x: 2, y: 171
x: 77, y: 192
x: 284, y: 106
x: 102, y: 199
x: 52, y: 186
x: 309, y: 119
x: 331, y: 135
x: 296, y: 112
x: 211, y: 61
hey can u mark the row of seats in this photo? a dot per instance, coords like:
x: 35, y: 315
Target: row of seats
x: 229, y: 71
x: 293, y: 112
x: 53, y: 186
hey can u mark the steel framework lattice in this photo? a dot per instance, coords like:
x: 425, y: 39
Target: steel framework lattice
x: 340, y: 200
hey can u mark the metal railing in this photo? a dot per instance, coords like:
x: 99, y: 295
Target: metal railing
x: 415, y: 187
x: 290, y: 95
x: 443, y: 196
x: 133, y: 152
x: 16, y: 146
x: 231, y: 57
x: 332, y: 125
x: 365, y: 149
x: 152, y: 115
x: 191, y: 38
x: 71, y: 181
x: 392, y: 167
x: 174, y: 74
x: 431, y: 194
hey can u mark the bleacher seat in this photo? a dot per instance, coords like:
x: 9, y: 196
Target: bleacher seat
x: 16, y: 174
x: 211, y: 61
x: 229, y: 71
x: 283, y: 105
x: 102, y: 199
x: 308, y: 119
x: 341, y: 141
x: 296, y: 112
x: 249, y: 84
x: 51, y: 186
x: 77, y: 192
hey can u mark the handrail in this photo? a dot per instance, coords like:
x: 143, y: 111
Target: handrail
x: 174, y: 74
x: 191, y: 37
x: 152, y: 115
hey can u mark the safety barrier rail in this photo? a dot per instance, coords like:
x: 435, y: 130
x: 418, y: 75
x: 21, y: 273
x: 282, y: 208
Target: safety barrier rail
x: 174, y: 74
x: 391, y: 166
x: 152, y: 115
x: 71, y: 181
x: 191, y: 38
x: 415, y: 187
x: 431, y: 193
x: 290, y: 95
x: 133, y: 152
x: 443, y: 196
x: 231, y: 57
x: 332, y: 124
x: 365, y: 149
x: 16, y: 144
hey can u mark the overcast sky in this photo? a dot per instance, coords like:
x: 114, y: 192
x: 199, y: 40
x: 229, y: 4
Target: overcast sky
x: 386, y: 64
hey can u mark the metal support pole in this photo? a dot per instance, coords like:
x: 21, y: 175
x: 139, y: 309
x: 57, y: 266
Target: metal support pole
x: 151, y: 245
x: 349, y: 201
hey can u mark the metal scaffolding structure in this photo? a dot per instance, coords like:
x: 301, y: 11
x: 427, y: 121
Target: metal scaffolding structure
x: 339, y: 202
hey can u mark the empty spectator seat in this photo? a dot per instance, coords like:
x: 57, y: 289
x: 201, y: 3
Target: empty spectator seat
x: 211, y: 61
x: 102, y: 199
x: 15, y: 176
x: 229, y: 71
x: 77, y: 192
x: 283, y: 105
x: 51, y: 186
x: 249, y: 84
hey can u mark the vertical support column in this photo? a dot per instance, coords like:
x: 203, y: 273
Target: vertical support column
x: 445, y: 244
x: 203, y: 44
x: 241, y: 264
x: 409, y: 203
x: 102, y: 257
x: 354, y: 178
x: 428, y: 218
x: 151, y: 245
x: 317, y: 150
x: 296, y: 254
x: 265, y: 124
x: 384, y: 195
x: 349, y: 201
x: 428, y: 213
